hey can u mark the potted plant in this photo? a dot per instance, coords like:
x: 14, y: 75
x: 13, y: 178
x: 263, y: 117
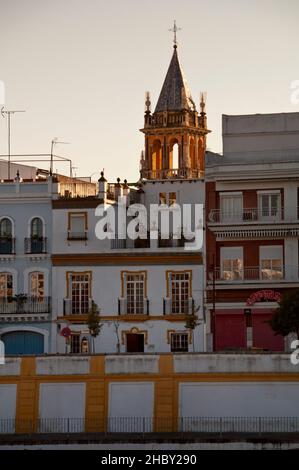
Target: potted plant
x: 20, y: 300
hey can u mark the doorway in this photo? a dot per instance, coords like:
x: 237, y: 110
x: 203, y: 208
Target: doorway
x: 135, y: 342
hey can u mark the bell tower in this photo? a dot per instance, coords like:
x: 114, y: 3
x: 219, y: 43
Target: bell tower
x: 175, y: 133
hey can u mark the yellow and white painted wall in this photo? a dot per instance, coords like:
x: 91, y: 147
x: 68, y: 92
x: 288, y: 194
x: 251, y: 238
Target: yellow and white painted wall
x: 161, y: 388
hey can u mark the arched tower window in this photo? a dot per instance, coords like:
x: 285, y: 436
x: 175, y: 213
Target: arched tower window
x: 174, y: 162
x: 201, y: 154
x: 192, y: 153
x: 157, y: 155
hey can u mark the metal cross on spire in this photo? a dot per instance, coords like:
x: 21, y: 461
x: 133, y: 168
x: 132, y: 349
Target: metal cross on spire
x: 174, y: 30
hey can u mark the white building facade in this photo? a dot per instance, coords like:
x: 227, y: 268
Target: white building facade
x: 146, y: 290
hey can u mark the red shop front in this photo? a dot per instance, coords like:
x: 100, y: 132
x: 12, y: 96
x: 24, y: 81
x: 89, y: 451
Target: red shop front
x: 231, y: 325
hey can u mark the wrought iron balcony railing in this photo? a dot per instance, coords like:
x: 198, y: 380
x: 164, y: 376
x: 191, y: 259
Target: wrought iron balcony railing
x: 254, y: 215
x: 7, y: 245
x: 173, y: 173
x: 133, y: 307
x: 71, y: 235
x: 173, y: 306
x: 257, y: 273
x: 35, y: 245
x: 77, y: 307
x: 26, y: 305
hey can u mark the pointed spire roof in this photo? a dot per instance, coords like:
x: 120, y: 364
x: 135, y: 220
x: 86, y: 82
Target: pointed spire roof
x: 175, y: 94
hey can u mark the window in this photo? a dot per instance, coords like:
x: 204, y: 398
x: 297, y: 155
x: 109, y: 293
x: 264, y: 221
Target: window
x: 271, y: 262
x: 179, y: 342
x: 167, y: 198
x: 6, y: 241
x: 5, y: 228
x: 269, y: 205
x: 36, y: 242
x: 6, y: 285
x: 172, y: 198
x: 162, y: 198
x: 231, y: 263
x: 36, y: 228
x: 37, y: 285
x: 134, y: 286
x: 231, y: 207
x: 75, y: 343
x: 180, y: 291
x: 79, y: 289
x: 77, y: 225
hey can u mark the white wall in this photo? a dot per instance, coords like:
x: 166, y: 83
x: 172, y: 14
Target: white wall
x: 131, y: 399
x: 238, y: 399
x: 62, y: 400
x: 8, y: 394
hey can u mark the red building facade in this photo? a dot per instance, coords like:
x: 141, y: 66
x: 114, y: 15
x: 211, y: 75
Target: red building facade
x: 252, y: 229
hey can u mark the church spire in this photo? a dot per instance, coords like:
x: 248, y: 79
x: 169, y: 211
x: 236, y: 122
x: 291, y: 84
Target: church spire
x: 175, y: 134
x: 175, y: 94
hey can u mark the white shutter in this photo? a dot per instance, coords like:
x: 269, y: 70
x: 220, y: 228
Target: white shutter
x: 77, y: 224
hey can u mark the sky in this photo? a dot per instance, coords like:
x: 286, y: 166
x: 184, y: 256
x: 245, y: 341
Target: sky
x: 80, y: 69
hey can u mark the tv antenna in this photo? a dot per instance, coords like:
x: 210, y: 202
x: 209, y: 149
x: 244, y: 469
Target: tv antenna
x: 54, y: 142
x: 8, y: 114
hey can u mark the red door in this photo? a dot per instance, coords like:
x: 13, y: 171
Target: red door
x: 230, y: 332
x: 262, y: 333
x: 135, y: 342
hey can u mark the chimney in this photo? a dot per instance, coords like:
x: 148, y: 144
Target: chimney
x: 102, y: 187
x: 118, y: 190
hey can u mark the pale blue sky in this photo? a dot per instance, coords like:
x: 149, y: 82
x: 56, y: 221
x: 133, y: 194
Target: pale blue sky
x: 80, y: 69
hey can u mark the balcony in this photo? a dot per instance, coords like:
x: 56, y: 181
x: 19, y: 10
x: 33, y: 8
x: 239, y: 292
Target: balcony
x: 171, y: 242
x: 133, y: 307
x: 77, y: 307
x: 178, y: 307
x: 24, y: 308
x: 35, y: 245
x: 253, y: 274
x: 7, y: 246
x: 175, y: 173
x: 123, y: 244
x: 254, y: 215
x: 71, y: 235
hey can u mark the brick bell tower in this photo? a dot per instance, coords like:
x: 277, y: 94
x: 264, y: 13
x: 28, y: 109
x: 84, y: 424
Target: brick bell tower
x: 174, y: 123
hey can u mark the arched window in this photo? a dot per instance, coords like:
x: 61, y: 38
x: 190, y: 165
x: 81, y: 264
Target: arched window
x: 5, y: 228
x: 36, y: 243
x: 157, y: 156
x: 174, y: 162
x: 175, y: 156
x: 6, y: 285
x: 37, y: 285
x: 36, y: 228
x: 6, y: 240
